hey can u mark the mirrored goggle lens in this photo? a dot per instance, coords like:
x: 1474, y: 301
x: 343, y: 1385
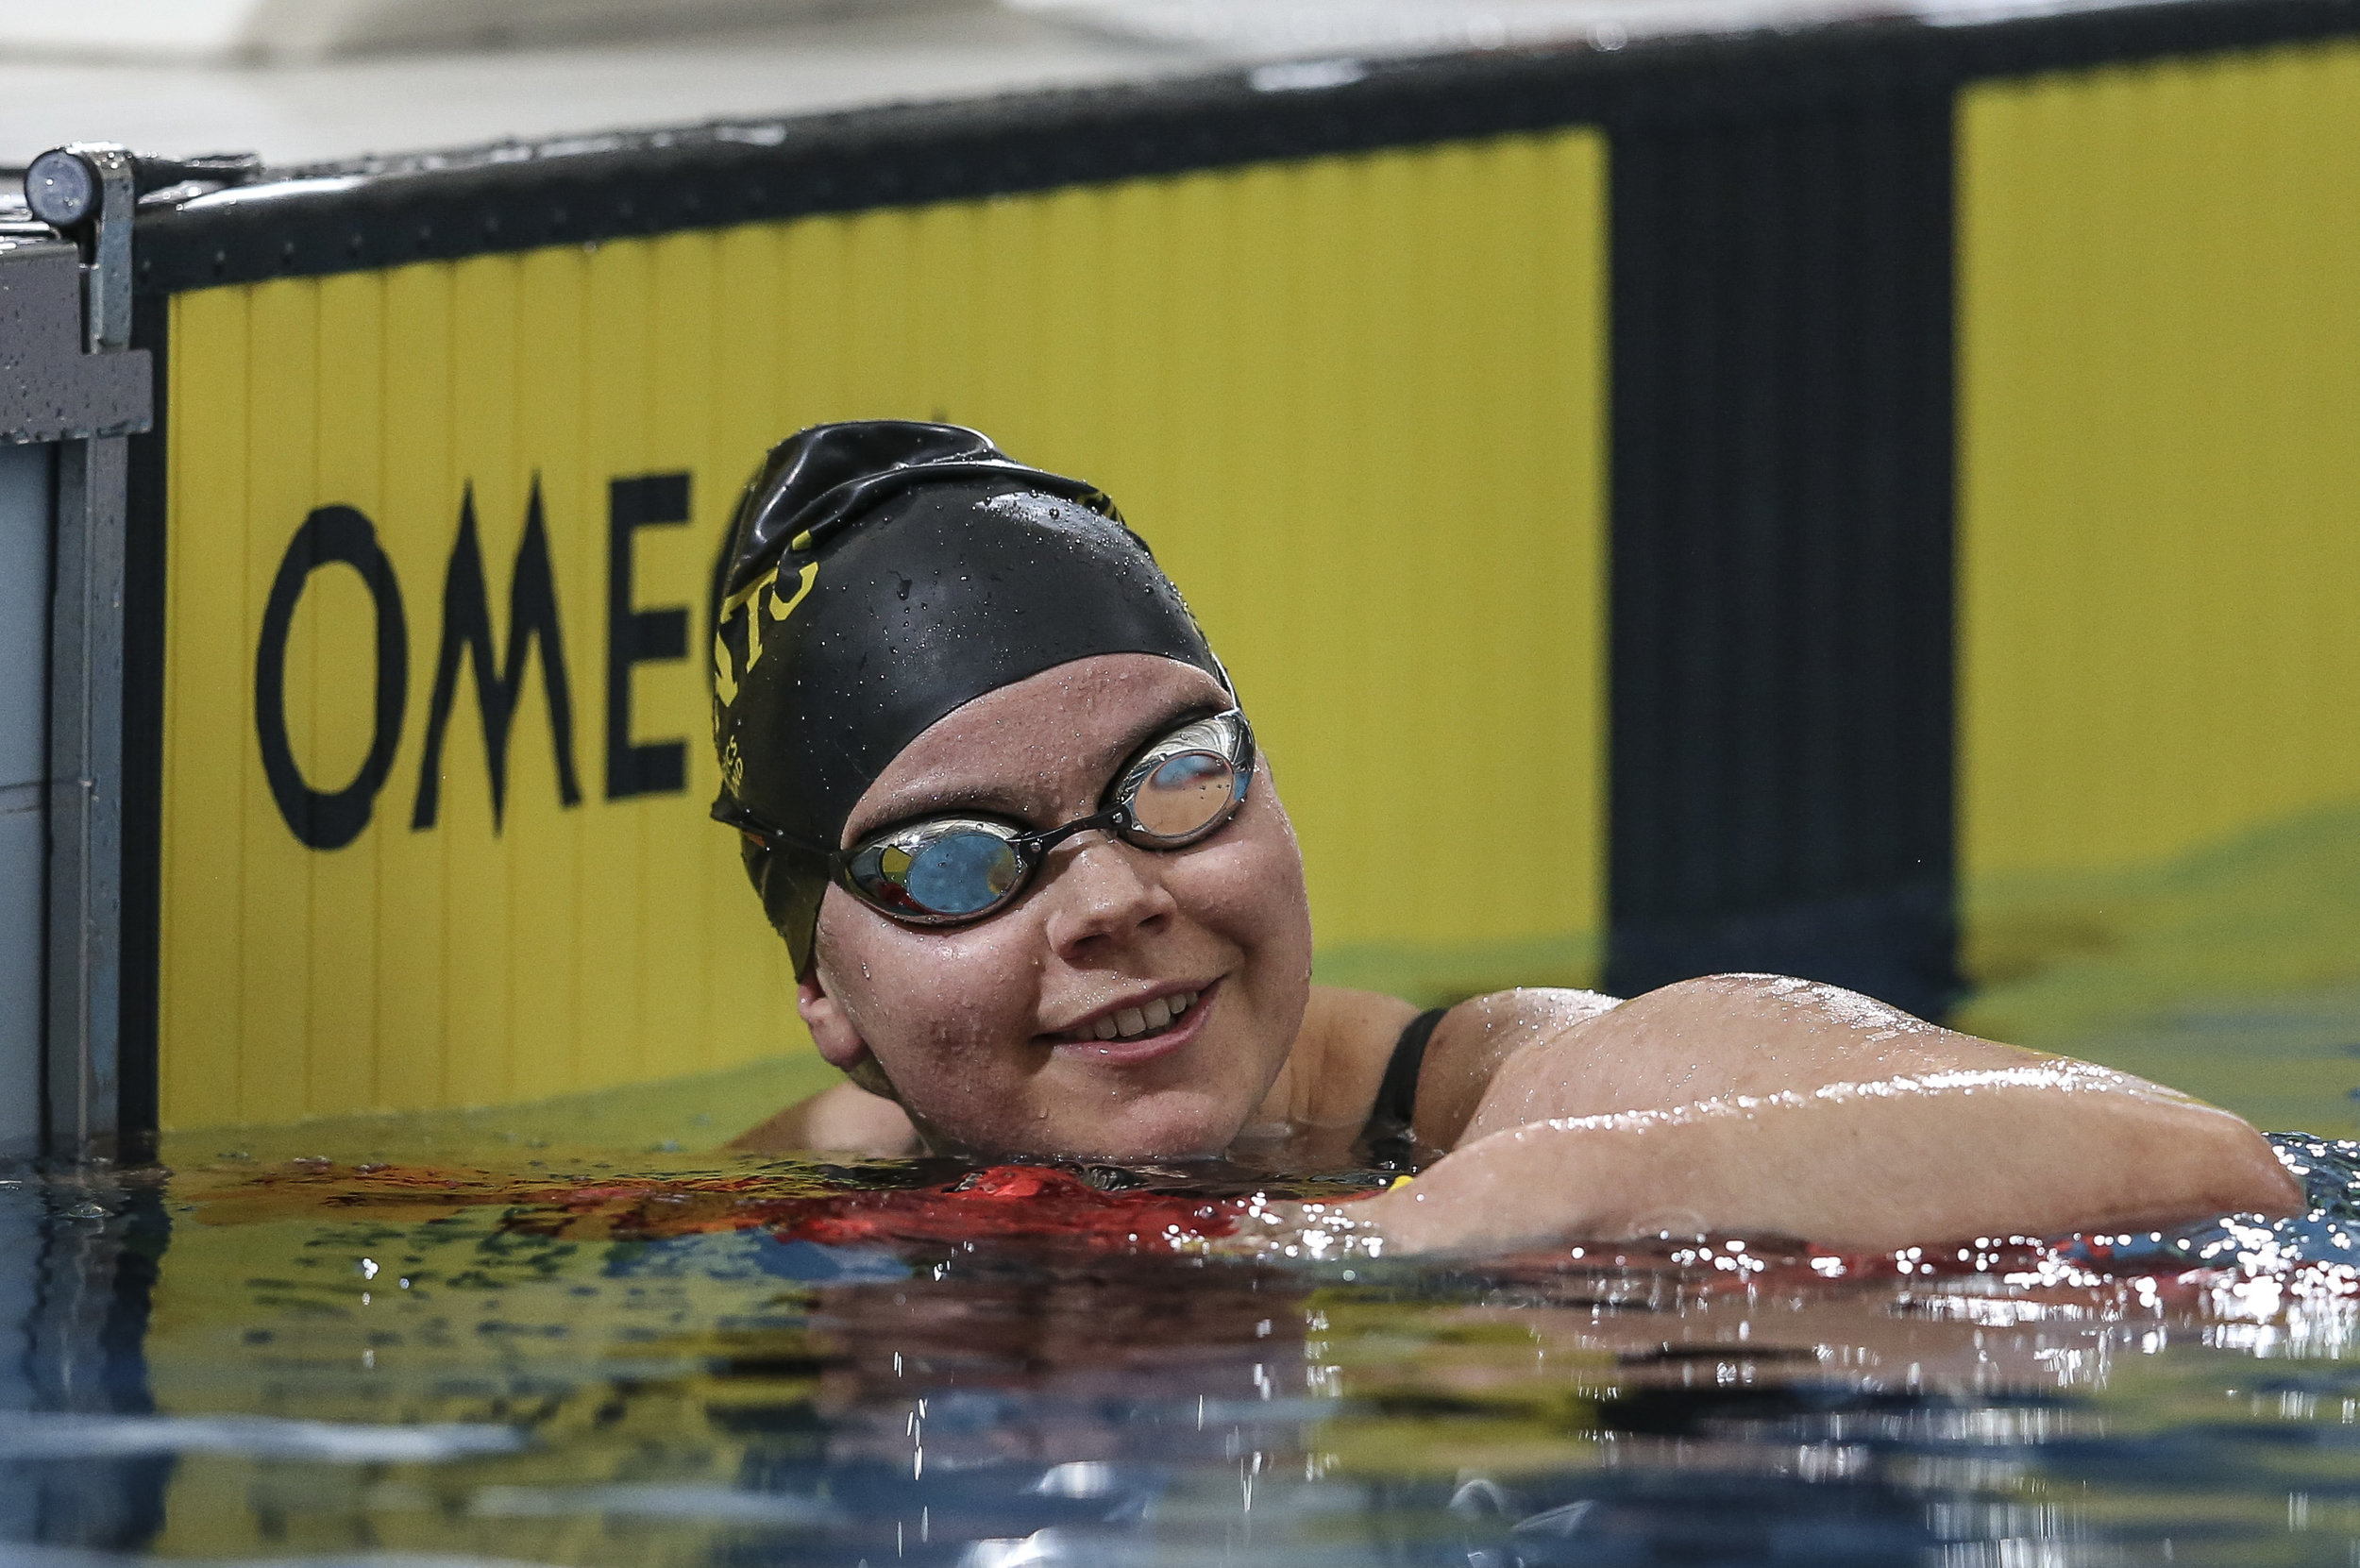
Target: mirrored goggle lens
x: 1184, y: 796
x: 944, y: 871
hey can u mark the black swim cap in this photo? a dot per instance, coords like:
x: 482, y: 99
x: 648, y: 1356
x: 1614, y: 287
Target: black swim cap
x: 881, y: 574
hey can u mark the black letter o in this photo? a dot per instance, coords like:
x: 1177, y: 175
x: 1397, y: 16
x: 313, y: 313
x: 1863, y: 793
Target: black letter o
x: 330, y: 821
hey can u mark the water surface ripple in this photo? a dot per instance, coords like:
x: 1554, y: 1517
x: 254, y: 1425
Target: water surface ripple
x: 791, y: 1363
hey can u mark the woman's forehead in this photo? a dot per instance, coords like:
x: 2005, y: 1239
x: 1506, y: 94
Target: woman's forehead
x: 1035, y: 740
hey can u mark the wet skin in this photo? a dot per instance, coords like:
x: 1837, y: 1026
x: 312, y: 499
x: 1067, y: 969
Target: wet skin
x: 1737, y: 1102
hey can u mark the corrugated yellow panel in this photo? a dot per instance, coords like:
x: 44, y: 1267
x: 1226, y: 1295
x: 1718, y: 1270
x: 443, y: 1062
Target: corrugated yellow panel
x: 2160, y: 523
x: 413, y: 931
x: 495, y: 474
x: 274, y: 915
x: 543, y: 1025
x: 619, y: 345
x: 1356, y: 404
x: 340, y: 1065
x: 207, y: 683
x: 689, y: 317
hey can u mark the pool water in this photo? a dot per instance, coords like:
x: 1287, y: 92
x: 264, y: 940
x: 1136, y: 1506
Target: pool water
x: 552, y: 1358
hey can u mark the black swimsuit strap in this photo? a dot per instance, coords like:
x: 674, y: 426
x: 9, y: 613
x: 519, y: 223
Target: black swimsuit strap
x: 1388, y: 1138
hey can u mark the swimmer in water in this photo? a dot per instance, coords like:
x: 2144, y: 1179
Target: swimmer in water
x: 1042, y: 900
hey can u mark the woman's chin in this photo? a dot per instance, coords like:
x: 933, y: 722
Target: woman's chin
x: 1177, y: 1125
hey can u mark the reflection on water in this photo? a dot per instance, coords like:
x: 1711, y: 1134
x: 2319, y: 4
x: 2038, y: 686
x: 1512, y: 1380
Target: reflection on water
x: 2232, y: 971
x: 76, y: 1281
x: 316, y: 1364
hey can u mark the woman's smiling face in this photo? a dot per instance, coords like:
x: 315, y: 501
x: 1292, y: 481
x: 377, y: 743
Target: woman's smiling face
x: 990, y: 1032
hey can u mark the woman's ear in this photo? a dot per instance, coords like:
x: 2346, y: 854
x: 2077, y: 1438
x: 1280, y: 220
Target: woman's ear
x: 832, y: 1032
x: 839, y: 1042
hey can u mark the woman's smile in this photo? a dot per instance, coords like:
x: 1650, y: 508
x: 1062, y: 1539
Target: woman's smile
x: 1140, y: 1029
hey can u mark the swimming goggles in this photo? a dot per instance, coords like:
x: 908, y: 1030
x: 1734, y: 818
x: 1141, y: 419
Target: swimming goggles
x: 952, y: 870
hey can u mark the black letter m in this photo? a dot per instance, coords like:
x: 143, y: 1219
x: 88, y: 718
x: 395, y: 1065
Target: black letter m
x: 498, y: 683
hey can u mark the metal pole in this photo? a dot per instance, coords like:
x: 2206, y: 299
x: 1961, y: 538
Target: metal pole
x: 86, y: 712
x: 85, y: 799
x: 27, y: 510
x: 68, y: 376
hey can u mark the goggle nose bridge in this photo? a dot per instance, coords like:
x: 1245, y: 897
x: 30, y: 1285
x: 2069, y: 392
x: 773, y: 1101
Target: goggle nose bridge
x: 1114, y: 822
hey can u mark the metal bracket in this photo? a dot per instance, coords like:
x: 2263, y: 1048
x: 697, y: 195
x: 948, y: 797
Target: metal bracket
x: 107, y: 298
x: 91, y: 191
x: 55, y: 384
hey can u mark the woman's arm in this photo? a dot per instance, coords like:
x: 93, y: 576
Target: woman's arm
x: 1757, y: 1103
x: 2024, y: 1152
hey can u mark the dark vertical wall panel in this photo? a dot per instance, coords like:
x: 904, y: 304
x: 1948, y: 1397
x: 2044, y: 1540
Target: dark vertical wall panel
x: 1780, y: 773
x: 143, y: 753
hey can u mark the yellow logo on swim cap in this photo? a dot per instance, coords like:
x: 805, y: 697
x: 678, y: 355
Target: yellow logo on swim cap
x: 725, y: 678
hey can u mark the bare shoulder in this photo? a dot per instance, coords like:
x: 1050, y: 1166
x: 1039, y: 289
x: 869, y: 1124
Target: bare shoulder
x: 1780, y: 1023
x: 844, y: 1119
x: 1527, y: 1013
x: 1364, y: 1026
x: 1719, y: 1035
x: 1477, y: 1039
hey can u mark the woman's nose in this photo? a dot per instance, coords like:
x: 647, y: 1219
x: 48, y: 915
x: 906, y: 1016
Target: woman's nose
x: 1105, y: 891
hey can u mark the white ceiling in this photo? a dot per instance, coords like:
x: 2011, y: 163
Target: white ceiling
x: 311, y: 80
x: 389, y: 102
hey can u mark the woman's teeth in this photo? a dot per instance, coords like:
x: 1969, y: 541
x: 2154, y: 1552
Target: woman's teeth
x: 1133, y: 1022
